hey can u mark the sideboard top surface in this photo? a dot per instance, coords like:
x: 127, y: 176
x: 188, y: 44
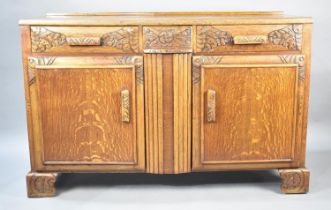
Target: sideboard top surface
x: 166, y: 18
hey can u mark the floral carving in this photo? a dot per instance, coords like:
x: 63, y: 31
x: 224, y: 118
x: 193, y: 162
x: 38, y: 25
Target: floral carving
x: 43, y: 39
x: 41, y: 184
x: 291, y: 180
x: 172, y: 39
x: 294, y: 180
x: 210, y: 38
x: 125, y: 39
x: 289, y: 37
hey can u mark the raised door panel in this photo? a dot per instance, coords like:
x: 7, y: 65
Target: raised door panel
x: 90, y: 111
x: 246, y: 110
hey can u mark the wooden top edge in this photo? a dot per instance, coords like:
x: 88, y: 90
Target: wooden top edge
x: 165, y: 18
x: 132, y: 21
x: 231, y: 13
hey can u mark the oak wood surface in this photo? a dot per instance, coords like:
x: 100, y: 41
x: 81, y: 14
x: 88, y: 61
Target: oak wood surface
x: 78, y: 110
x: 167, y: 93
x: 167, y: 19
x: 194, y: 13
x: 255, y: 113
x: 167, y: 39
x: 215, y: 39
x: 85, y: 39
x: 250, y: 91
x: 168, y: 117
x: 41, y: 184
x: 294, y: 180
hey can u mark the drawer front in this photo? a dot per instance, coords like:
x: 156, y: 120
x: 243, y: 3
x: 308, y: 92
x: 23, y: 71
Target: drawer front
x: 246, y: 38
x: 167, y: 39
x: 85, y: 39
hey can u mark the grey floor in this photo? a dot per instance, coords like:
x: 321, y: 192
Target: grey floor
x: 226, y: 190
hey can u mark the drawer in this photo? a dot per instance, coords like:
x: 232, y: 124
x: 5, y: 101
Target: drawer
x: 85, y: 39
x: 249, y: 38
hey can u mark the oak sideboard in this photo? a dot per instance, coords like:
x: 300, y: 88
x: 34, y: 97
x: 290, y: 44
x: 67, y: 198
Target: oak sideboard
x: 166, y: 93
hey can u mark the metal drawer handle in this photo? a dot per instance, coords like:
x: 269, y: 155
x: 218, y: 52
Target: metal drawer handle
x: 211, y: 105
x: 83, y: 41
x: 125, y: 105
x: 257, y: 39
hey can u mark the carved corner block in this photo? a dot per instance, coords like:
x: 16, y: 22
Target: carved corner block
x: 294, y: 180
x: 41, y: 184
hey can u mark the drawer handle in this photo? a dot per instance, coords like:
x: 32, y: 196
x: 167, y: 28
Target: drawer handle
x: 83, y: 41
x: 257, y: 39
x: 125, y: 105
x: 211, y: 105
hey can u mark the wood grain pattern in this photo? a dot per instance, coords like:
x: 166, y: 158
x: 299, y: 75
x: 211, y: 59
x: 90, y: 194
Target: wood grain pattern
x: 153, y: 78
x: 86, y: 97
x: 90, y: 127
x: 60, y: 39
x: 167, y: 39
x: 306, y: 46
x: 294, y: 180
x: 276, y: 38
x: 168, y: 113
x: 87, y: 113
x: 257, y: 123
x: 163, y: 118
x: 41, y: 184
x: 182, y: 112
x: 26, y: 49
x: 248, y: 129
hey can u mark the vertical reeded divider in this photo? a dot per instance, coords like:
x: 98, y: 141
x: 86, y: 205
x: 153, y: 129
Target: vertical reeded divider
x: 168, y: 112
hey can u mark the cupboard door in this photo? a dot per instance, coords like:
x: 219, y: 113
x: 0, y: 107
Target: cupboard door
x: 247, y: 111
x: 88, y: 112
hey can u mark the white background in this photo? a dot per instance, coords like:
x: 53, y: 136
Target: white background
x: 245, y: 190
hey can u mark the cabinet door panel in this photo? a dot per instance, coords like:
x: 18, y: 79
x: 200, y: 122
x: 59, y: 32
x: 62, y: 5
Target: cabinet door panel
x: 244, y: 111
x: 89, y: 110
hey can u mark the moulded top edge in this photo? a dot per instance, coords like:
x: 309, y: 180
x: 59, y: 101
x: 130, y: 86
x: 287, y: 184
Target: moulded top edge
x: 192, y: 13
x: 199, y: 20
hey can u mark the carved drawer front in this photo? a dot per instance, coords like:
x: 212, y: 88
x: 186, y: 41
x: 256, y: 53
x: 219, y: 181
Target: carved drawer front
x: 85, y: 39
x: 167, y: 39
x: 255, y: 38
x: 88, y: 112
